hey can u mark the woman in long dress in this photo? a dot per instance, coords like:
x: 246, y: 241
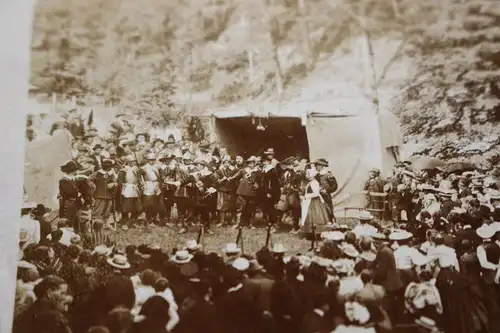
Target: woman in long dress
x: 314, y: 211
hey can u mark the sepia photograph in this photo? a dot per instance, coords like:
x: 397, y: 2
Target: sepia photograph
x: 267, y: 166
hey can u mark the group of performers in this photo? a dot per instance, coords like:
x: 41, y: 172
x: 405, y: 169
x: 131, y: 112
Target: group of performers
x: 174, y: 186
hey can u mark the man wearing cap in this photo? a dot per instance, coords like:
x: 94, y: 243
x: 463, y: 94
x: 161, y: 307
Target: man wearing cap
x: 176, y: 178
x: 106, y: 184
x: 248, y: 186
x: 152, y: 200
x: 328, y: 184
x: 131, y: 183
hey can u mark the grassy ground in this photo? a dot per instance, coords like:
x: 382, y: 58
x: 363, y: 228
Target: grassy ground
x: 168, y: 238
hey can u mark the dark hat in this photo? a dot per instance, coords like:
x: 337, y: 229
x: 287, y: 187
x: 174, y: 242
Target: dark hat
x: 98, y: 146
x: 269, y: 151
x: 144, y: 134
x: 39, y: 210
x: 69, y: 167
x: 158, y: 140
x: 107, y: 162
x: 321, y: 162
x: 170, y: 140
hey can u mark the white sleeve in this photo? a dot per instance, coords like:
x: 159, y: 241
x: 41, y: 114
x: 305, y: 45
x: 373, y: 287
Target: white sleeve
x: 483, y: 261
x: 315, y: 190
x: 36, y: 234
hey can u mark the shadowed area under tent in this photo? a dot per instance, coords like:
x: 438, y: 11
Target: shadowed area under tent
x: 352, y: 143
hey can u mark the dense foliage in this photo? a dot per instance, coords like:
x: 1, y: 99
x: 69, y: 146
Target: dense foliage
x: 160, y: 56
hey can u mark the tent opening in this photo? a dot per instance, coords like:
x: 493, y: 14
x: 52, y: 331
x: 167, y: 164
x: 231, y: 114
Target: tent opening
x: 285, y: 134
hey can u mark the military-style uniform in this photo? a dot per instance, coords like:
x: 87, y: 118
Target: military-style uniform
x: 328, y: 185
x: 74, y: 193
x: 131, y: 184
x: 249, y: 179
x: 226, y: 192
x: 152, y: 199
x: 291, y: 182
x: 269, y: 191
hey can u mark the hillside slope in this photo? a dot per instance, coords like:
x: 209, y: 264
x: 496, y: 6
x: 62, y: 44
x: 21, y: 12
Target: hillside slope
x: 435, y: 66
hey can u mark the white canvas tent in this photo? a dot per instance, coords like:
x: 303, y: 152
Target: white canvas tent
x: 352, y: 143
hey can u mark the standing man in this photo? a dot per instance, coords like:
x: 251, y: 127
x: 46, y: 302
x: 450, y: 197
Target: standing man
x: 249, y: 179
x: 106, y: 183
x: 153, y: 205
x: 131, y: 183
x: 70, y: 195
x: 328, y: 185
x: 226, y: 190
x: 269, y: 191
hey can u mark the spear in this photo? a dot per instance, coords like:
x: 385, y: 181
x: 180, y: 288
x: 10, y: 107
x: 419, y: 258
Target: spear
x: 268, y: 235
x: 239, y: 238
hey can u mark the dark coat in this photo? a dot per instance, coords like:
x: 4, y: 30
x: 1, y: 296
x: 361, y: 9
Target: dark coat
x: 385, y: 272
x: 258, y: 290
x: 235, y: 313
x: 270, y: 184
x: 314, y: 323
x: 42, y: 317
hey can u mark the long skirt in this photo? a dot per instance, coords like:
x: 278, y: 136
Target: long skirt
x: 132, y: 205
x: 102, y: 210
x: 225, y: 201
x: 317, y: 216
x: 464, y: 309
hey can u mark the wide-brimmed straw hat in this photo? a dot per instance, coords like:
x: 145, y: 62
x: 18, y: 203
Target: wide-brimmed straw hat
x: 365, y: 216
x: 399, y: 235
x: 485, y: 231
x: 350, y: 251
x: 241, y: 264
x: 278, y: 248
x: 192, y: 245
x: 181, y: 257
x: 231, y: 248
x: 102, y: 250
x: 119, y: 261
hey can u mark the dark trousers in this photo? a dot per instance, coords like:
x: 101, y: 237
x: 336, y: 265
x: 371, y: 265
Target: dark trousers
x: 246, y: 207
x: 269, y: 209
x: 203, y: 212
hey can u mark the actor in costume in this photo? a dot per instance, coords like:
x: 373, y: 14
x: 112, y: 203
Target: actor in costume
x: 226, y: 190
x: 291, y: 181
x: 176, y: 179
x: 131, y: 183
x: 152, y: 199
x: 315, y: 213
x: 328, y: 184
x: 73, y: 194
x: 269, y: 190
x: 247, y: 191
x: 106, y: 183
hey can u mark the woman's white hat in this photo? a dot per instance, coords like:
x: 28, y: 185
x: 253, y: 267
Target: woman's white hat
x: 333, y: 235
x: 181, y: 257
x: 119, y: 261
x: 192, y: 245
x: 365, y: 216
x: 400, y: 235
x: 231, y: 248
x: 241, y: 264
x: 278, y: 248
x: 485, y: 231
